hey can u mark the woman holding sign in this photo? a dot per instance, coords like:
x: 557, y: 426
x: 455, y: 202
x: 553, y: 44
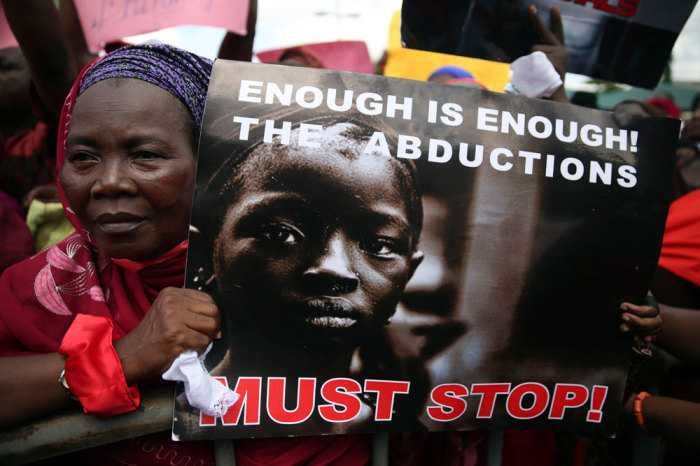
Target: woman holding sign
x: 103, y: 311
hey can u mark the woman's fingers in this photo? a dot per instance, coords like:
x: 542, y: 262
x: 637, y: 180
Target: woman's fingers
x: 204, y: 324
x: 183, y: 311
x: 641, y: 311
x: 204, y: 315
x: 179, y: 319
x: 644, y: 320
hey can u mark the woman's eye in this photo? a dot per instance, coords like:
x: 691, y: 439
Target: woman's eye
x: 281, y: 233
x: 82, y: 157
x: 146, y: 155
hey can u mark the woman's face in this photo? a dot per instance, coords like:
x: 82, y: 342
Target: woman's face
x: 316, y: 247
x: 130, y: 171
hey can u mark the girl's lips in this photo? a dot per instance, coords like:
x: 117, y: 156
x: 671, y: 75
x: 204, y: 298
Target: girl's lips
x: 331, y: 321
x: 329, y: 312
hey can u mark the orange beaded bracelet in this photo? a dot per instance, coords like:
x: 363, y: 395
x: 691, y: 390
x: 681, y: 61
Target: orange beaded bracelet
x: 641, y: 396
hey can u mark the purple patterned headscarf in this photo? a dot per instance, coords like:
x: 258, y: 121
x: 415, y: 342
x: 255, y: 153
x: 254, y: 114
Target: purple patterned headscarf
x: 183, y: 74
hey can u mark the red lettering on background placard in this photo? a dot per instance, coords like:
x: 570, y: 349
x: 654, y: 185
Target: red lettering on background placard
x: 626, y: 8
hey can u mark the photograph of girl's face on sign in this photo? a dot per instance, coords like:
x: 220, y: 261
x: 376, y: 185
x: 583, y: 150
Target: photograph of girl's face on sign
x: 311, y: 248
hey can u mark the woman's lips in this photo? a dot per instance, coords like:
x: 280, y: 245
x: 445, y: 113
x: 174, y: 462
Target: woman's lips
x: 119, y: 223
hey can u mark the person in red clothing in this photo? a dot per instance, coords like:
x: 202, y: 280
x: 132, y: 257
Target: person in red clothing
x: 26, y: 152
x: 34, y: 80
x: 672, y: 412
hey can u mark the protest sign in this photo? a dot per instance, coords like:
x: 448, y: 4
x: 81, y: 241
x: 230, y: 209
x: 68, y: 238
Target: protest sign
x: 7, y: 39
x: 107, y: 21
x: 419, y: 64
x: 395, y: 255
x: 345, y: 55
x: 626, y: 41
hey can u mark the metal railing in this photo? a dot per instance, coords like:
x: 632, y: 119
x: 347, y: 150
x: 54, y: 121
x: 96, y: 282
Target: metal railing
x: 72, y: 430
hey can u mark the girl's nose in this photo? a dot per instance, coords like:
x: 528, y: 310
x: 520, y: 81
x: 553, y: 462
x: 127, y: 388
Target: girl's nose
x: 333, y: 269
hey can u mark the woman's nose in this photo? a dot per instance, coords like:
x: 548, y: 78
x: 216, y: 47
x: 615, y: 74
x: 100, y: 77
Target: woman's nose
x: 333, y: 270
x: 113, y: 179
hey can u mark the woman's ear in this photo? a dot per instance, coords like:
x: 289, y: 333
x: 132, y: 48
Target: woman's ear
x: 415, y: 261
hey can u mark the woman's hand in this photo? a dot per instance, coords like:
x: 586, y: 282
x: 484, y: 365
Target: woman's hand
x: 179, y: 319
x: 643, y: 321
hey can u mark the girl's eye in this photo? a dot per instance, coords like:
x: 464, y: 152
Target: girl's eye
x: 281, y: 233
x: 381, y: 246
